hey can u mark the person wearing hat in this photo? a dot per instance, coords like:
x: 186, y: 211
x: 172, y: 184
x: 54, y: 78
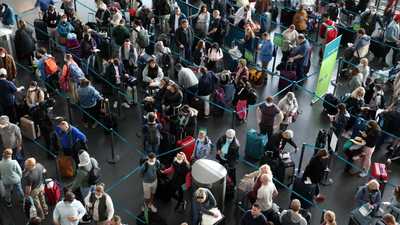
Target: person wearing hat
x: 11, y: 174
x: 128, y: 56
x: 152, y: 72
x: 7, y: 89
x: 68, y: 211
x: 86, y: 163
x: 392, y: 39
x: 12, y: 139
x: 315, y: 171
x: 278, y: 141
x: 187, y: 79
x: 228, y: 153
x: 371, y: 135
x: 163, y: 57
x: 43, y: 116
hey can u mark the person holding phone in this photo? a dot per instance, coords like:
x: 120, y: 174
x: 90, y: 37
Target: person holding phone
x: 371, y: 135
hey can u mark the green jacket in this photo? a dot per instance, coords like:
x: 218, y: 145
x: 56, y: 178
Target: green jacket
x: 120, y: 33
x: 82, y: 177
x: 10, y: 171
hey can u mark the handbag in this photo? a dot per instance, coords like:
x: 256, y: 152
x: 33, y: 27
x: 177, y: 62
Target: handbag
x: 63, y: 40
x: 219, y: 66
x: 246, y: 184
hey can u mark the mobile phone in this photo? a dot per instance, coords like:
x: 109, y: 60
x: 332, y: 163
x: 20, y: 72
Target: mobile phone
x: 360, y: 131
x: 144, y: 117
x: 328, y: 115
x: 58, y: 117
x: 291, y: 46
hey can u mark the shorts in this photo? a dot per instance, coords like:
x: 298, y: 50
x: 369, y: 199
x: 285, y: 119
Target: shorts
x: 149, y: 188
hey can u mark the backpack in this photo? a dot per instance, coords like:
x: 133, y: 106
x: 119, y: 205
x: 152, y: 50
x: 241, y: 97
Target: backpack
x: 167, y: 60
x: 252, y: 97
x: 144, y: 160
x: 143, y: 37
x: 94, y: 174
x: 383, y: 101
x: 153, y: 136
x: 331, y: 32
x: 39, y: 116
x: 328, y: 9
x: 224, y: 27
x: 169, y: 6
x: 46, y: 95
x: 50, y: 64
x: 225, y: 78
x: 345, y: 99
x: 98, y: 38
x: 75, y: 72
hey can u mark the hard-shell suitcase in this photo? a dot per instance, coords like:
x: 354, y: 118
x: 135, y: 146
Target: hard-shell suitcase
x: 274, y: 13
x: 358, y: 161
x: 41, y: 30
x: 228, y: 89
x: 52, y: 190
x: 289, y: 74
x: 255, y: 143
x: 272, y: 162
x: 188, y: 150
x: 357, y: 129
x: 198, y: 104
x: 131, y: 92
x: 378, y: 171
x: 28, y: 128
x: 305, y: 190
x: 65, y: 165
x: 330, y: 109
x: 287, y: 17
x: 285, y: 171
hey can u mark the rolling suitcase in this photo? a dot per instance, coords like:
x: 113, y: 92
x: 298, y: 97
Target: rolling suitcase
x: 272, y: 162
x: 188, y: 150
x: 219, y: 99
x: 274, y: 13
x: 228, y: 89
x: 230, y: 190
x: 198, y: 104
x: 41, y: 30
x: 65, y: 165
x: 356, y: 218
x: 131, y: 92
x: 330, y: 109
x: 287, y: 17
x: 255, y: 142
x: 289, y: 74
x: 28, y: 128
x: 163, y: 189
x: 110, y: 120
x: 52, y: 190
x: 378, y: 171
x: 305, y: 190
x: 358, y: 161
x: 285, y: 171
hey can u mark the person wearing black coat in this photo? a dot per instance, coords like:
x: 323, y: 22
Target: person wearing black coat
x: 228, y: 148
x: 200, y: 54
x: 334, y: 12
x: 185, y: 41
x: 370, y: 27
x: 356, y: 102
x: 274, y: 143
x: 185, y: 122
x: 103, y: 16
x: 116, y: 78
x: 222, y: 6
x: 25, y: 42
x: 172, y: 98
x: 315, y: 171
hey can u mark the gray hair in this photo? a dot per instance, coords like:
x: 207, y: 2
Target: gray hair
x: 116, y: 219
x: 216, y: 12
x: 289, y: 133
x: 103, y: 6
x: 230, y: 133
x: 202, y: 134
x: 4, y: 119
x: 265, y: 178
x: 290, y: 95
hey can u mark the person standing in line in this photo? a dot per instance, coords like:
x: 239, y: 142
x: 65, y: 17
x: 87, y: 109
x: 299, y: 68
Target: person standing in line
x: 51, y: 17
x: 25, y: 42
x: 7, y: 89
x: 42, y: 5
x: 206, y: 87
x: 288, y: 105
x: 88, y: 98
x: 11, y: 175
x: 7, y: 15
x: 120, y: 34
x: 202, y: 18
x: 215, y: 25
x: 369, y: 20
x: 266, y: 51
x: 301, y: 54
x: 72, y: 83
x: 68, y: 7
x: 128, y: 56
x: 64, y: 28
x: 103, y: 207
x: 7, y: 62
x: 262, y: 7
x: 266, y: 193
x: 290, y: 37
x: 151, y: 129
x: 228, y: 153
x: 268, y: 111
x: 184, y: 37
x: 392, y: 39
x: 292, y: 216
x: 148, y: 171
x: 12, y: 139
x: 68, y: 211
x: 35, y: 187
x: 253, y: 216
x: 116, y: 74
x: 88, y: 45
x: 371, y: 135
x: 203, y: 201
x: 176, y: 19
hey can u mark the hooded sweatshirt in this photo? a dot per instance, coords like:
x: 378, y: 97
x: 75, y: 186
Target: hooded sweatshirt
x: 63, y: 211
x: 7, y: 15
x: 362, y: 46
x: 288, y: 218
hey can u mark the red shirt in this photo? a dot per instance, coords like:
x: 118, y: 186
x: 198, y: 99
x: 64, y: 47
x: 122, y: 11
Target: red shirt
x: 322, y: 29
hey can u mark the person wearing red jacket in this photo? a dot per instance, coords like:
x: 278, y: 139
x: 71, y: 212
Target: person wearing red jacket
x: 322, y: 31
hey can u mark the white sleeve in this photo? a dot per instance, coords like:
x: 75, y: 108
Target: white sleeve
x: 110, y: 207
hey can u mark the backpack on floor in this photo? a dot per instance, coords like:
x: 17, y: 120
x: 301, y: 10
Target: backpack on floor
x: 143, y: 37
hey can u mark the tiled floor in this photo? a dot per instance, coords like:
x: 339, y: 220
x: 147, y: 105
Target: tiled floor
x: 128, y: 192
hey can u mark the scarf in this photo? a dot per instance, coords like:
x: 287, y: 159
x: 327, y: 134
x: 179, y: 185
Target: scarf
x: 224, y: 149
x: 238, y: 74
x: 182, y: 120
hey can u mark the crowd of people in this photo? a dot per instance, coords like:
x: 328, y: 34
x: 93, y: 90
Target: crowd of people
x: 174, y: 109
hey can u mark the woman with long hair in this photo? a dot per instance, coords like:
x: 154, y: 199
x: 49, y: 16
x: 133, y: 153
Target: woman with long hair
x: 88, y: 45
x: 290, y: 37
x: 25, y: 43
x: 394, y: 206
x: 73, y: 83
x: 356, y: 102
x: 200, y: 55
x: 264, y: 169
x: 172, y: 98
x: 315, y: 171
x: 215, y: 56
x: 103, y: 207
x: 329, y: 218
x: 339, y: 121
x: 248, y: 40
x: 371, y: 135
x: 181, y: 169
x: 88, y: 98
x: 202, y: 18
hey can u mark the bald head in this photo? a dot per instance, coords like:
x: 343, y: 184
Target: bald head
x: 265, y: 178
x: 30, y: 163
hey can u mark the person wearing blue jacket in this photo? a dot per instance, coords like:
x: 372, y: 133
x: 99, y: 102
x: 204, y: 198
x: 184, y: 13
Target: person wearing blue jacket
x: 175, y: 20
x: 392, y: 39
x: 206, y: 87
x: 301, y: 57
x: 63, y: 29
x: 42, y: 5
x: 370, y: 195
x: 116, y: 74
x: 69, y: 136
x: 88, y: 97
x: 7, y: 15
x: 266, y: 51
x: 202, y: 147
x: 49, y: 82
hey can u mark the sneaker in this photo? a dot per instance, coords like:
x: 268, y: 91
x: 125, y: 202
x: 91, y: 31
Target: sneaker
x: 385, y: 64
x: 115, y: 104
x: 8, y: 204
x: 346, y: 135
x: 125, y: 105
x: 321, y: 197
x: 152, y: 208
x: 85, y: 219
x: 183, y: 205
x: 206, y: 116
x: 86, y: 125
x: 259, y: 84
x: 362, y: 175
x: 94, y: 125
x: 178, y: 207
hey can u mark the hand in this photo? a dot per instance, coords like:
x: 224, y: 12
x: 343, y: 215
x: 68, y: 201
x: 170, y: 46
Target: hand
x: 366, y: 24
x: 297, y: 149
x: 288, y: 41
x: 372, y: 207
x: 327, y: 169
x: 91, y: 205
x: 223, y: 155
x: 29, y: 104
x: 291, y: 59
x: 219, y: 152
x: 27, y: 197
x: 108, y: 222
x: 258, y: 122
x: 244, y: 17
x: 367, y: 204
x: 126, y: 75
x: 2, y: 19
x: 207, y: 34
x: 384, y: 28
x: 395, y: 95
x: 106, y: 100
x: 387, y: 204
x: 331, y: 118
x: 72, y: 218
x: 19, y: 148
x: 242, y: 40
x: 286, y: 114
x: 22, y: 87
x: 44, y: 171
x: 40, y: 11
x: 170, y: 29
x: 181, y: 46
x: 163, y: 107
x: 351, y: 15
x: 232, y: 8
x: 117, y: 76
x: 109, y: 19
x: 101, y: 21
x: 364, y: 134
x: 389, y: 161
x: 338, y: 18
x: 201, y: 212
x: 259, y: 52
x: 215, y: 215
x: 70, y: 190
x: 246, y: 176
x: 167, y: 107
x: 275, y: 126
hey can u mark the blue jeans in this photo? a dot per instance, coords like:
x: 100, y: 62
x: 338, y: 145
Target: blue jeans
x: 17, y: 187
x: 18, y: 156
x: 152, y: 148
x: 88, y: 62
x: 197, y: 217
x: 263, y: 21
x: 86, y: 191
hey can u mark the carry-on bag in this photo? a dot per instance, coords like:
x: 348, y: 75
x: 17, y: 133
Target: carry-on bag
x: 285, y: 171
x: 110, y: 120
x: 29, y: 208
x: 188, y: 150
x: 28, y: 128
x: 378, y: 171
x: 52, y: 190
x: 65, y: 166
x: 255, y: 142
x: 219, y: 99
x: 290, y: 74
x: 131, y: 92
x: 198, y: 104
x: 330, y: 108
x: 41, y: 29
x: 305, y: 190
x: 271, y: 161
x: 358, y: 161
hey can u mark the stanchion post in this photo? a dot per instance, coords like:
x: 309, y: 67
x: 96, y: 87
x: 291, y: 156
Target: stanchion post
x: 301, y: 158
x: 337, y: 83
x: 185, y: 95
x: 69, y: 111
x: 57, y: 169
x: 319, y: 27
x: 16, y: 21
x: 327, y: 181
x: 233, y: 119
x: 120, y: 114
x: 113, y: 159
x: 273, y: 66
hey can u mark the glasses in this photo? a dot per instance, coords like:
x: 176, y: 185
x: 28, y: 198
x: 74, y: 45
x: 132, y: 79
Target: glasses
x: 181, y: 153
x: 198, y: 197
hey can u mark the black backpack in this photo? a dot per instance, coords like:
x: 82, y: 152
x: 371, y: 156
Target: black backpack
x: 94, y: 174
x: 224, y: 26
x: 153, y: 135
x: 383, y: 101
x: 39, y: 115
x: 321, y: 140
x: 252, y: 97
x: 167, y: 60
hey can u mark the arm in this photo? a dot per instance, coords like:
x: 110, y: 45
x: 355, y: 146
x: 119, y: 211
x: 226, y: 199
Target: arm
x: 188, y: 180
x: 160, y: 75
x: 280, y: 115
x: 357, y: 46
x: 213, y: 202
x: 19, y: 142
x: 110, y: 207
x: 80, y: 176
x: 146, y: 78
x: 82, y: 211
x: 28, y: 190
x: 258, y: 115
x: 56, y: 215
x: 79, y: 134
x: 359, y: 196
x: 380, y: 22
x: 169, y: 170
x: 377, y: 200
x: 295, y: 106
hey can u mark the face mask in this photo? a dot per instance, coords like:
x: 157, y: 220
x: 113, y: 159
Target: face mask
x: 229, y: 140
x: 3, y: 55
x: 98, y: 196
x: 2, y: 126
x: 179, y: 161
x: 373, y: 13
x: 31, y: 89
x: 200, y: 140
x: 151, y: 163
x: 297, y: 8
x: 69, y: 205
x: 267, y: 104
x: 289, y: 102
x: 73, y: 18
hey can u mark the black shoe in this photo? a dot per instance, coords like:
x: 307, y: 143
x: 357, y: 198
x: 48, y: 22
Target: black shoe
x: 178, y: 207
x: 384, y: 64
x: 183, y: 205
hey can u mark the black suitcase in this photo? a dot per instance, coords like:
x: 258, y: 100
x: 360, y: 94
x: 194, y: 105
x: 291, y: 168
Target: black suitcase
x: 110, y: 120
x: 274, y: 13
x: 331, y: 110
x: 163, y: 191
x: 230, y: 191
x: 305, y: 190
x: 41, y: 30
x: 347, y: 35
x: 21, y: 108
x: 285, y: 172
x: 270, y: 161
x: 287, y: 17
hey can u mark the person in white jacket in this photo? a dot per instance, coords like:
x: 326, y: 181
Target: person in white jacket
x: 68, y: 211
x: 152, y: 72
x: 288, y: 106
x: 103, y: 208
x: 243, y: 16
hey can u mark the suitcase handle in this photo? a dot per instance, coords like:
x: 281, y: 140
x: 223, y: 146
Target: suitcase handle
x: 93, y: 17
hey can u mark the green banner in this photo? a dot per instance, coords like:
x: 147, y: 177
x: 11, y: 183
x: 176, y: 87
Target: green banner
x: 327, y: 66
x: 356, y: 26
x: 278, y: 39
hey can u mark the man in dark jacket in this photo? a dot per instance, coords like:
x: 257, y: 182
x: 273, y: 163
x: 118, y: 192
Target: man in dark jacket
x: 128, y: 56
x: 176, y: 19
x: 116, y: 74
x: 44, y: 117
x: 222, y: 6
x: 51, y: 17
x: 146, y: 16
x: 228, y: 149
x: 164, y: 13
x: 278, y: 141
x: 334, y: 12
x: 369, y: 20
x: 184, y: 36
x: 206, y: 87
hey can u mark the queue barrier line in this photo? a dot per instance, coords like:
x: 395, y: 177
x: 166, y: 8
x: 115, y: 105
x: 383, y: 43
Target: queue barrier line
x: 26, y: 135
x: 241, y: 208
x: 351, y: 12
x: 174, y: 150
x: 391, y: 78
x: 137, y: 168
x: 210, y: 102
x: 29, y: 10
x: 5, y: 210
x: 129, y: 212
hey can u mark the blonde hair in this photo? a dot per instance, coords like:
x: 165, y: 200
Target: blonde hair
x: 267, y: 168
x: 31, y: 161
x: 68, y: 57
x: 250, y: 32
x: 201, y: 192
x: 7, y: 153
x: 22, y: 24
x: 365, y: 60
x: 243, y: 62
x: 100, y: 188
x: 202, y: 134
x: 371, y: 184
x: 355, y: 95
x: 183, y: 157
x: 330, y: 217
